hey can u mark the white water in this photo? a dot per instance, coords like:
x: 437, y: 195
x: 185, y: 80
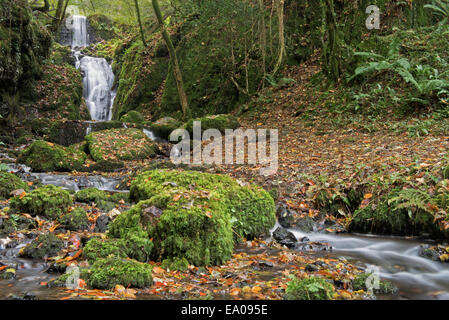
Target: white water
x: 98, y: 76
x: 397, y: 260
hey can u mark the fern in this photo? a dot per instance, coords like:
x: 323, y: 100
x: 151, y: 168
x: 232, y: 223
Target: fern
x: 411, y: 199
x: 441, y: 9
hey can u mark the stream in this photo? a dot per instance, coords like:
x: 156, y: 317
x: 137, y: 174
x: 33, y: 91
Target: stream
x: 396, y: 258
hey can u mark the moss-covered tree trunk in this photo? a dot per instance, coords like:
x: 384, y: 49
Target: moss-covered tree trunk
x: 136, y: 3
x: 331, y: 55
x: 280, y: 13
x: 173, y: 59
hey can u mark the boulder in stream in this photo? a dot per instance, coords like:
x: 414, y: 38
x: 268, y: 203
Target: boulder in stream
x: 44, y: 246
x: 285, y: 237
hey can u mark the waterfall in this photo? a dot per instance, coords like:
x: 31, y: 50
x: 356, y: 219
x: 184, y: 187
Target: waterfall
x: 98, y: 77
x: 97, y: 84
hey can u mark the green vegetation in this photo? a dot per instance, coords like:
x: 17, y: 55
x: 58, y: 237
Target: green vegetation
x: 385, y: 287
x: 75, y: 220
x: 8, y: 183
x: 45, y: 246
x: 47, y: 201
x: 219, y: 122
x: 44, y: 156
x: 109, y: 272
x: 311, y: 288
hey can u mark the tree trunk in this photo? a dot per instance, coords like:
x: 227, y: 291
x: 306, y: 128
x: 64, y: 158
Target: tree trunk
x: 58, y: 15
x: 263, y: 36
x: 331, y: 54
x: 140, y: 22
x: 280, y: 12
x: 173, y: 59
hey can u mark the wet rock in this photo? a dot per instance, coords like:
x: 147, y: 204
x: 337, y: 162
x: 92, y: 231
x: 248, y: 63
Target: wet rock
x: 22, y: 296
x: 265, y: 264
x: 435, y: 253
x: 285, y: 237
x: 285, y: 216
x: 313, y: 246
x: 8, y: 273
x: 312, y: 268
x: 44, y: 246
x: 101, y: 225
x: 305, y: 224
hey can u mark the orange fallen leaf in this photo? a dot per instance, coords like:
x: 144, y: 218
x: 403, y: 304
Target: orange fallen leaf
x: 368, y: 196
x: 256, y: 289
x: 176, y: 197
x: 235, y: 291
x: 158, y: 270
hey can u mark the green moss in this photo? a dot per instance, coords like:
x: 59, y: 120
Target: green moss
x: 98, y: 249
x: 70, y: 274
x: 120, y: 144
x: 103, y: 26
x: 175, y: 264
x: 140, y: 77
x: 47, y: 245
x: 44, y: 156
x: 164, y: 127
x: 133, y: 117
x: 446, y: 173
x: 60, y: 93
x: 8, y: 183
x: 109, y: 272
x: 195, y: 227
x: 47, y: 201
x: 16, y: 222
x: 90, y: 195
x: 220, y: 122
x: 61, y: 55
x: 311, y: 288
x: 252, y: 208
x: 385, y: 219
x: 8, y: 274
x: 385, y: 287
x: 75, y: 220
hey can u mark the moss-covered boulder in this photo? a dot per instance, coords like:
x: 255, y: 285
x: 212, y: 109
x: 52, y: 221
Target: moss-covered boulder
x: 141, y: 74
x: 251, y: 208
x: 102, y: 26
x: 75, y: 220
x: 311, y: 288
x: 8, y: 183
x: 120, y: 144
x: 44, y: 246
x: 98, y: 249
x: 385, y: 287
x: 175, y: 264
x: 164, y: 127
x: 220, y: 122
x: 61, y: 55
x: 60, y: 93
x: 90, y: 195
x: 47, y: 201
x: 183, y: 223
x: 24, y: 44
x: 109, y: 272
x: 132, y: 117
x: 16, y: 222
x: 44, y: 156
x: 390, y: 217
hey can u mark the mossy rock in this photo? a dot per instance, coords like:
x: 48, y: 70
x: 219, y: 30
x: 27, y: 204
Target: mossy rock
x: 68, y: 278
x: 385, y: 287
x: 103, y: 26
x: 175, y: 264
x: 16, y: 222
x: 384, y: 219
x: 61, y: 55
x: 60, y: 93
x: 90, y: 195
x: 75, y: 220
x: 98, y: 249
x: 251, y: 208
x: 132, y: 117
x: 44, y: 156
x: 47, y: 201
x: 164, y: 127
x: 312, y: 288
x: 10, y: 182
x: 44, y: 246
x: 120, y: 144
x: 8, y: 273
x: 220, y: 122
x: 109, y: 272
x: 141, y: 75
x: 183, y: 223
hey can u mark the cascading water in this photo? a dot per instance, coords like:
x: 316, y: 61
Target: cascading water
x: 98, y: 76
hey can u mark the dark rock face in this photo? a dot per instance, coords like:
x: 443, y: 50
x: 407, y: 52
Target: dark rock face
x: 66, y: 35
x: 285, y: 216
x: 102, y: 223
x: 285, y: 237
